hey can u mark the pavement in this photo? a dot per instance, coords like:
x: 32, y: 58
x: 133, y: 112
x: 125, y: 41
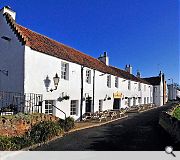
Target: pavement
x: 137, y: 132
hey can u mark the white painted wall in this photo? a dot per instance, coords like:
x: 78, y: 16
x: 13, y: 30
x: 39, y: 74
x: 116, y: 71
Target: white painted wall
x: 172, y: 92
x: 11, y: 59
x: 178, y: 93
x: 39, y: 65
x: 158, y: 94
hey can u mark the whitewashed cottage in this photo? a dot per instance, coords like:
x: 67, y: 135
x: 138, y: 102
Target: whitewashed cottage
x: 82, y: 83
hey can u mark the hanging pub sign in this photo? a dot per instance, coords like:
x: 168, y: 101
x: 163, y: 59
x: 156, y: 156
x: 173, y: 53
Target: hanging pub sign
x: 118, y: 95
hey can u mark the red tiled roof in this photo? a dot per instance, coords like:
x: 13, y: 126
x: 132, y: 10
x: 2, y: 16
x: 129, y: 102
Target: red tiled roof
x: 51, y: 47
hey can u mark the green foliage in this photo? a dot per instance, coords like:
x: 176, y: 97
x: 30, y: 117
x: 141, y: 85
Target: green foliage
x: 176, y: 113
x: 23, y: 116
x: 6, y: 144
x: 44, y: 131
x: 40, y: 132
x: 67, y: 124
x: 13, y: 143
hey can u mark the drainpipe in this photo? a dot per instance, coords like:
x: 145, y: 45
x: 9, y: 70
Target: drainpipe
x: 93, y: 86
x: 82, y: 88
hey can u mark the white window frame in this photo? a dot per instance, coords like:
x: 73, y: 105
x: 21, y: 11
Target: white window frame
x: 64, y: 70
x: 139, y: 86
x: 74, y: 107
x: 116, y: 82
x: 129, y: 85
x: 145, y: 100
x: 109, y: 81
x: 88, y: 76
x: 49, y: 109
x: 129, y: 102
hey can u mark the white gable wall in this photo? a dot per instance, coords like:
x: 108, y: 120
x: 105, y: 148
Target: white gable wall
x: 11, y: 59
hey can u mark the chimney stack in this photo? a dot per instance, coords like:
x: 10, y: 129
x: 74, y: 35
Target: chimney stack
x: 8, y: 9
x: 138, y: 74
x: 104, y: 58
x: 128, y: 69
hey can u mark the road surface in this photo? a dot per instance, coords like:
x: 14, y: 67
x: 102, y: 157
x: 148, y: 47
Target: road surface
x: 138, y: 132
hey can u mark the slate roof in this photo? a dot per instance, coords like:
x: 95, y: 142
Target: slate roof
x: 153, y: 80
x: 51, y: 47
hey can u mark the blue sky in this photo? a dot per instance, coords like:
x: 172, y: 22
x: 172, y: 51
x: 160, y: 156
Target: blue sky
x: 143, y: 33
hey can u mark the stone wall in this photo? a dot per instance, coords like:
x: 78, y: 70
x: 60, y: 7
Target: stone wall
x: 17, y: 125
x: 170, y: 124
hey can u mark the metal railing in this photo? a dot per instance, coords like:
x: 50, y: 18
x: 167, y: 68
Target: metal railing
x: 18, y: 102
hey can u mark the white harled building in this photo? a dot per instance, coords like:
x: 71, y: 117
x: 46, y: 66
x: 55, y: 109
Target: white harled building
x: 85, y: 84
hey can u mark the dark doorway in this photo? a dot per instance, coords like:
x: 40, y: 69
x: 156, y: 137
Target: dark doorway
x: 88, y: 105
x: 117, y: 103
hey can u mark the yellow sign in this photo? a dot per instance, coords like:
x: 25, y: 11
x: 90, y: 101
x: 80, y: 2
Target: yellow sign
x: 117, y: 95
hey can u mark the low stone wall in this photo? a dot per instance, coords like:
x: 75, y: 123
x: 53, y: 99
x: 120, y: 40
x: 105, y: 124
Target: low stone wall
x: 17, y: 125
x: 171, y: 125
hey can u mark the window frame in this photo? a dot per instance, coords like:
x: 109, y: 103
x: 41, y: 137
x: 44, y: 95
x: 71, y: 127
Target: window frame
x: 64, y: 70
x: 129, y: 84
x: 74, y: 108
x: 88, y: 76
x: 139, y: 86
x: 49, y: 103
x: 109, y: 81
x: 117, y: 82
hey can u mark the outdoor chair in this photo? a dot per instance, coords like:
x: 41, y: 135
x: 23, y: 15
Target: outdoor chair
x: 112, y: 114
x: 87, y: 116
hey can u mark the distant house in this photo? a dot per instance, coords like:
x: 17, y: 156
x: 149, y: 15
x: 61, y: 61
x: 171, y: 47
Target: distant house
x: 82, y: 83
x: 173, y: 92
x: 160, y: 93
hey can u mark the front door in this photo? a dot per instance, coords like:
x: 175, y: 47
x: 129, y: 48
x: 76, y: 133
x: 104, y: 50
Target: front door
x: 88, y: 105
x: 117, y: 103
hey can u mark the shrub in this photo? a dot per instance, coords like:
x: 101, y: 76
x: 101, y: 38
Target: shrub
x: 44, y: 131
x: 6, y: 144
x: 67, y: 124
x: 13, y: 143
x: 176, y: 113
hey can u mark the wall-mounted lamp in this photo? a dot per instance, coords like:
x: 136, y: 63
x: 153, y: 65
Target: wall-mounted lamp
x: 47, y: 82
x: 56, y: 82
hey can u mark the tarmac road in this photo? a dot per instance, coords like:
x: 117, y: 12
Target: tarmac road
x: 138, y: 132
